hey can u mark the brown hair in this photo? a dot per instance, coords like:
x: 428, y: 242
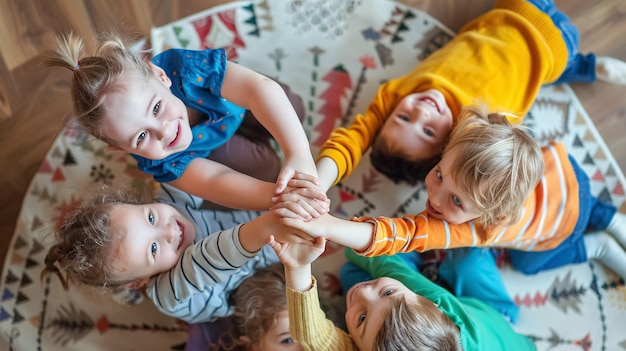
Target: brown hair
x: 397, y: 168
x: 256, y: 302
x: 497, y: 164
x: 85, y: 244
x: 96, y: 75
x: 418, y: 326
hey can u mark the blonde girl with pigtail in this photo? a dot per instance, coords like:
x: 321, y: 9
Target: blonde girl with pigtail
x: 189, y: 117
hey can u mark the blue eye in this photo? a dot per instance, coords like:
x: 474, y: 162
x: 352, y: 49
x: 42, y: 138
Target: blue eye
x: 403, y: 117
x: 151, y: 218
x: 156, y: 108
x: 388, y: 292
x: 362, y: 318
x: 153, y: 249
x: 456, y: 200
x: 287, y: 341
x: 141, y: 137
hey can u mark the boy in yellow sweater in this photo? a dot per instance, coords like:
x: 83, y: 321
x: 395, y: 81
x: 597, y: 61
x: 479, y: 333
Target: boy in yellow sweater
x: 502, y: 58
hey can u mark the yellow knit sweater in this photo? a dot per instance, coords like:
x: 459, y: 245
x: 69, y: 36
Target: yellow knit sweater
x: 502, y: 58
x: 308, y: 324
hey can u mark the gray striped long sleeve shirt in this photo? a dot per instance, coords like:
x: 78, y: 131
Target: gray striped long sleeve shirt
x: 196, y: 289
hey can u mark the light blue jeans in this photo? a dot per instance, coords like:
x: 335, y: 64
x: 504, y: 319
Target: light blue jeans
x: 580, y: 68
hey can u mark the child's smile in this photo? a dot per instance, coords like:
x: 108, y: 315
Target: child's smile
x: 146, y: 119
x: 152, y: 238
x: 181, y: 227
x: 176, y: 139
x: 418, y: 127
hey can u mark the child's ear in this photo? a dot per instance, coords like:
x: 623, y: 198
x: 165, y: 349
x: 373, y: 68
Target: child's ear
x: 247, y: 343
x: 137, y: 283
x: 160, y: 74
x: 503, y: 219
x: 111, y: 148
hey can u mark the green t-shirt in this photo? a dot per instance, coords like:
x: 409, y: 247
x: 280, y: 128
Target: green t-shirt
x: 481, y: 326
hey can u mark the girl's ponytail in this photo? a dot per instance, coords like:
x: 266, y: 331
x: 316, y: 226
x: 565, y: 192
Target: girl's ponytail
x: 54, y: 255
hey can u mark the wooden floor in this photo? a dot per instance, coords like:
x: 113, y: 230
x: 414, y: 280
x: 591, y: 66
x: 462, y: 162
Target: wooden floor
x: 34, y: 100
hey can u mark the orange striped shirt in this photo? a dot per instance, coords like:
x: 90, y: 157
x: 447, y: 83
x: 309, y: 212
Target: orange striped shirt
x: 548, y: 217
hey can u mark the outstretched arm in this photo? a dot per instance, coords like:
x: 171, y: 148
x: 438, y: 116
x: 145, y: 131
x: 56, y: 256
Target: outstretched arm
x: 370, y: 236
x: 328, y: 172
x: 270, y: 105
x: 256, y: 233
x: 347, y: 233
x: 220, y: 184
x: 344, y: 148
x: 308, y: 324
x: 297, y: 259
x: 196, y: 289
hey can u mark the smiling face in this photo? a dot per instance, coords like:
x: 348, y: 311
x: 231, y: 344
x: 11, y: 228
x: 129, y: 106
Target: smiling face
x: 144, y: 117
x: 418, y: 127
x: 153, y: 237
x: 445, y: 200
x: 368, y: 304
x: 278, y: 336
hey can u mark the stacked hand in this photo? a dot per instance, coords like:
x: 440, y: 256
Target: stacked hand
x: 291, y: 167
x: 301, y: 198
x: 301, y: 202
x: 302, y: 210
x: 295, y: 256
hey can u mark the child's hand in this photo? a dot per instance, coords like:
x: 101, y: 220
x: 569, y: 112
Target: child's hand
x: 314, y: 228
x: 286, y: 234
x: 302, y: 199
x: 293, y: 165
x: 298, y: 207
x: 308, y: 182
x: 297, y: 255
x: 273, y: 225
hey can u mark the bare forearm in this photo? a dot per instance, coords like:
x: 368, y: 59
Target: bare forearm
x: 272, y: 108
x: 356, y: 235
x: 253, y: 194
x: 299, y: 279
x: 327, y: 172
x: 231, y: 189
x: 254, y: 234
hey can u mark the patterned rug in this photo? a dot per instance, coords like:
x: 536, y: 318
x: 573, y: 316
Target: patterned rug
x: 334, y: 53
